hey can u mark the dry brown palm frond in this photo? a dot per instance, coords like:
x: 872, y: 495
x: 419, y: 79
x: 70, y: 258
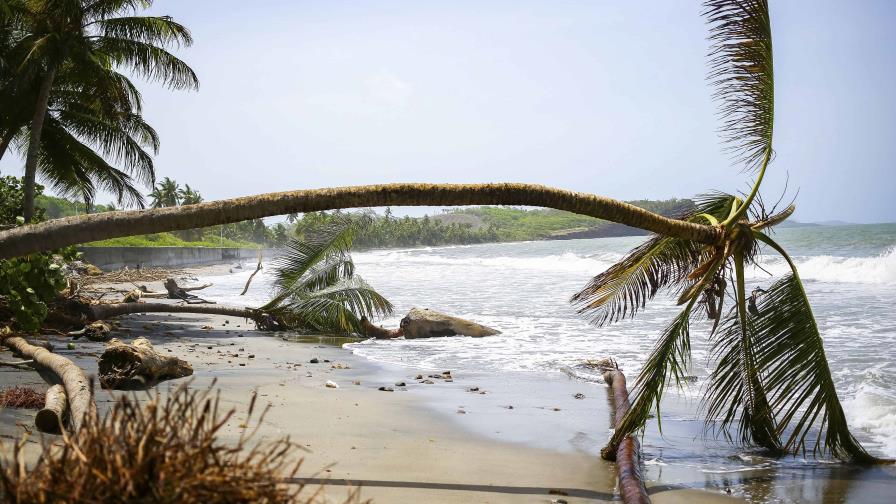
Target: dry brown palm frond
x: 168, y: 450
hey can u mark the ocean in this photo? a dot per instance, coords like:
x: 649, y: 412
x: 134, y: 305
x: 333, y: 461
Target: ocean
x: 523, y: 289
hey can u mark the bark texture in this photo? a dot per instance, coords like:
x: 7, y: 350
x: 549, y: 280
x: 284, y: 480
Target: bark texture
x: 375, y: 331
x: 628, y: 454
x: 138, y: 366
x: 73, y: 379
x: 51, y: 419
x: 85, y: 228
x: 104, y: 311
x: 37, y: 126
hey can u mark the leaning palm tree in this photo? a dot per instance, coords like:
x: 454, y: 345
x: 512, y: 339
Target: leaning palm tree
x: 166, y: 193
x: 771, y: 385
x: 88, y: 37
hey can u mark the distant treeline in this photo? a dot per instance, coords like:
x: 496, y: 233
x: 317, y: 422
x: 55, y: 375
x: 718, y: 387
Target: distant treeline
x: 466, y: 226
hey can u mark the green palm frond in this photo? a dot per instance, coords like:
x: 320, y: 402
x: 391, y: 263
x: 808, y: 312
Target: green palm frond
x: 662, y: 262
x: 150, y: 29
x: 337, y: 308
x: 315, y: 283
x: 671, y: 356
x: 741, y: 68
x: 791, y: 352
x: 147, y: 60
x: 737, y: 394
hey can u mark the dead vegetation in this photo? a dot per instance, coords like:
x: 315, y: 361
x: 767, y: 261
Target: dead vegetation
x: 168, y: 450
x: 21, y: 397
x: 148, y: 274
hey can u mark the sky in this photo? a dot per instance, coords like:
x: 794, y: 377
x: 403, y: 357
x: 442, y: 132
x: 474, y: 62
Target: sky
x: 606, y: 97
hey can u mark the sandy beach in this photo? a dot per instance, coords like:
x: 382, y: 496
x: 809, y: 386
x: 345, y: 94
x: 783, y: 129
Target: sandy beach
x: 399, y: 446
x: 436, y: 437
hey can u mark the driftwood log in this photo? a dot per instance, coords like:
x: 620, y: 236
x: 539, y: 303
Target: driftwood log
x: 426, y: 323
x: 628, y: 454
x: 51, y: 419
x: 138, y: 366
x: 249, y: 281
x: 73, y: 379
x: 375, y: 331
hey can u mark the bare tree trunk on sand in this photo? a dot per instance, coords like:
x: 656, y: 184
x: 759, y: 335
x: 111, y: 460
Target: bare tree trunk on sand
x: 86, y: 228
x: 51, y: 419
x: 628, y: 455
x: 77, y: 387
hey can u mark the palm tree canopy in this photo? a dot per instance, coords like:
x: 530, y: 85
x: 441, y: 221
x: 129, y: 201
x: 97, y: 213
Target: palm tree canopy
x: 315, y: 284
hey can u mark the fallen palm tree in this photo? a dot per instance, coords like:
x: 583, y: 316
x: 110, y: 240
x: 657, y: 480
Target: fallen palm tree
x: 138, y: 366
x: 77, y: 386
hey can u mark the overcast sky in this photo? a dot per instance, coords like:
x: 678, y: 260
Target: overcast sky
x: 607, y: 97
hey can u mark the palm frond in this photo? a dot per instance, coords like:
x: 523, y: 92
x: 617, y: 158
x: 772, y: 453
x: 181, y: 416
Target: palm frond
x: 150, y: 29
x: 338, y: 308
x: 741, y: 68
x: 662, y: 262
x: 791, y: 352
x: 737, y: 394
x: 671, y: 356
x: 148, y: 60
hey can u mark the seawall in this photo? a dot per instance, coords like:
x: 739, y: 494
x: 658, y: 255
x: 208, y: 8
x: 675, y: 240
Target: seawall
x: 113, y: 258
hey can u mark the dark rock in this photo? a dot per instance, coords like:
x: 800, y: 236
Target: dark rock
x: 314, y: 360
x: 579, y: 396
x: 428, y: 382
x: 387, y: 389
x: 401, y: 384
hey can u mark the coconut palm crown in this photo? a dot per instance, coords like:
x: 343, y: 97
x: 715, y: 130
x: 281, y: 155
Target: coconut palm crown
x: 771, y: 385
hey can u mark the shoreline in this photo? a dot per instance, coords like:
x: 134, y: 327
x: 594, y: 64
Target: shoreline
x: 442, y: 442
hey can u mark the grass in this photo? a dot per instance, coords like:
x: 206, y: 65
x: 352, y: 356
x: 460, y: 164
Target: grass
x: 170, y: 240
x: 164, y: 451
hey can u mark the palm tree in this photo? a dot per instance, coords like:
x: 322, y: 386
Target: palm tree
x: 166, y: 193
x: 88, y: 38
x: 771, y: 385
x: 316, y: 287
x: 189, y: 196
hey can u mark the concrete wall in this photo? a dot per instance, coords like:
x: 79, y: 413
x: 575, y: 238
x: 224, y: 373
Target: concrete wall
x: 112, y: 258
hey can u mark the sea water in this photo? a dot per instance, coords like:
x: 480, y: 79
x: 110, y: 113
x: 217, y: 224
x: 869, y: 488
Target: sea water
x: 523, y: 289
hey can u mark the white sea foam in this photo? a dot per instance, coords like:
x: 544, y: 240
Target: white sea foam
x: 825, y: 268
x: 873, y: 410
x: 566, y: 261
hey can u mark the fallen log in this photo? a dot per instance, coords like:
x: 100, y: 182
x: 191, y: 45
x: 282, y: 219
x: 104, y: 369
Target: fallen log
x: 104, y: 311
x: 628, y: 454
x: 138, y: 366
x: 96, y: 331
x: 73, y: 379
x: 375, y: 331
x: 176, y: 292
x: 51, y: 419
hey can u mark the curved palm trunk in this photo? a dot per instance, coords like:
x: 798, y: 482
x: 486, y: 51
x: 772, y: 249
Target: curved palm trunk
x: 86, y: 228
x: 37, y: 126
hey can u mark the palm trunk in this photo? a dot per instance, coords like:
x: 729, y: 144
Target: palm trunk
x: 105, y: 311
x: 37, y: 126
x: 81, y: 229
x: 6, y: 140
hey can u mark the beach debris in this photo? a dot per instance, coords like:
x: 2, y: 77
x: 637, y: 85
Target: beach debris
x: 428, y: 382
x: 206, y: 328
x: 70, y: 346
x: 473, y: 389
x: 331, y: 384
x: 461, y: 412
x: 509, y: 406
x: 257, y: 269
x: 401, y: 384
x: 426, y: 323
x: 579, y: 395
x: 177, y: 292
x: 418, y: 377
x: 251, y: 356
x: 138, y: 366
x: 356, y: 382
x: 95, y: 331
x: 386, y: 389
x: 51, y: 418
x: 374, y: 331
x: 314, y: 360
x: 132, y: 296
x: 21, y: 397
